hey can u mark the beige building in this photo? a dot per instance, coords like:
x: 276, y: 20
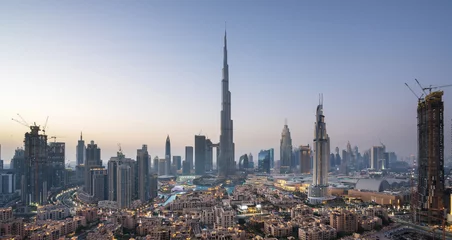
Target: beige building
x: 344, y: 221
x: 317, y: 232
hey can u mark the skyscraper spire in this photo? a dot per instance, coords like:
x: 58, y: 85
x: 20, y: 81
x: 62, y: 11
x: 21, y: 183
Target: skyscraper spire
x: 81, y: 136
x: 225, y: 50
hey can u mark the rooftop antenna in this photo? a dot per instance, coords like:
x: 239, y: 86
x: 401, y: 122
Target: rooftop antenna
x: 285, y: 121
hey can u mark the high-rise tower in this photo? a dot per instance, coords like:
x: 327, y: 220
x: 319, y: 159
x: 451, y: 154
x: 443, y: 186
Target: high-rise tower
x: 168, y: 156
x: 143, y: 161
x: 430, y: 115
x: 92, y: 161
x: 81, y: 151
x: 318, y: 191
x: 285, y: 150
x: 226, y: 165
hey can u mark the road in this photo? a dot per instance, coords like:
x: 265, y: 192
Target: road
x: 438, y: 233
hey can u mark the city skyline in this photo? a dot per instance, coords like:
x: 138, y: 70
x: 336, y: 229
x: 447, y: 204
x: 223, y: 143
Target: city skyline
x: 114, y: 92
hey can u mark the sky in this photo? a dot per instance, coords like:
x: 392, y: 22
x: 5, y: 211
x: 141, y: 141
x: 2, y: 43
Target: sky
x: 133, y: 72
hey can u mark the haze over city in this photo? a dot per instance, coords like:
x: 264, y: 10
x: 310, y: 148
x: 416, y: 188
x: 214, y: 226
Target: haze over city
x: 135, y: 72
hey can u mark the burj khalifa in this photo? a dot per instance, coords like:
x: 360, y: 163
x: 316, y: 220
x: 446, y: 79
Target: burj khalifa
x: 318, y: 191
x: 226, y: 163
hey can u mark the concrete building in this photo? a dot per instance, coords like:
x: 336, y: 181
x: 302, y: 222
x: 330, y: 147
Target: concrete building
x: 305, y: 159
x: 189, y: 156
x: 155, y: 165
x: 153, y: 186
x: 177, y: 161
x: 344, y: 221
x: 185, y: 167
x: 99, y: 183
x: 162, y: 167
x: 430, y: 188
x: 36, y: 171
x: 377, y: 155
x: 18, y: 165
x: 92, y: 161
x: 7, y: 182
x: 53, y: 212
x: 113, y: 166
x: 224, y: 216
x: 264, y: 161
x: 56, y: 156
x: 168, y: 156
x: 80, y: 151
x: 209, y: 155
x: 318, y: 191
x: 143, y: 161
x: 200, y: 154
x: 124, y: 186
x: 317, y: 232
x: 285, y: 150
x: 226, y: 157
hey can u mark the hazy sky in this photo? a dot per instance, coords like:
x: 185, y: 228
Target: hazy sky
x: 131, y: 72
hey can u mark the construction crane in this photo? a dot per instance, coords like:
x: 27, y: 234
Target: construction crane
x: 418, y: 98
x: 431, y: 87
x: 45, y: 125
x: 54, y: 138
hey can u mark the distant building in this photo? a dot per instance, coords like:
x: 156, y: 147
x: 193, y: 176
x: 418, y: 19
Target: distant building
x: 153, y: 185
x: 92, y: 161
x: 185, y: 167
x: 113, y: 175
x: 143, y: 161
x: 7, y: 182
x: 168, y: 155
x: 243, y: 162
x: 124, y: 186
x: 56, y: 156
x: 377, y: 155
x: 189, y: 156
x: 80, y: 151
x: 305, y: 159
x: 99, y: 183
x: 177, y: 161
x: 155, y: 164
x: 162, y: 166
x: 344, y: 221
x: 264, y: 161
x: 285, y: 150
x: 200, y: 154
x: 18, y: 164
x: 209, y: 156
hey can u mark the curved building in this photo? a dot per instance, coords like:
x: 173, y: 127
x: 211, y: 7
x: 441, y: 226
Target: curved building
x: 318, y: 191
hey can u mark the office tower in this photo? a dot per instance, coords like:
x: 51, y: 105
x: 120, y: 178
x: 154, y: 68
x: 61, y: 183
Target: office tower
x: 392, y: 158
x: 168, y: 155
x: 7, y: 181
x: 263, y: 161
x: 155, y: 163
x: 209, y: 155
x: 376, y: 157
x: 338, y: 157
x: 305, y: 159
x: 250, y: 160
x: 99, y: 183
x: 177, y: 161
x: 113, y: 172
x: 318, y: 191
x: 344, y: 163
x: 200, y: 154
x: 189, y: 156
x: 143, y: 161
x: 162, y: 166
x: 226, y: 165
x: 430, y: 115
x: 56, y: 156
x: 185, y: 167
x: 351, y: 161
x: 124, y: 185
x: 285, y: 150
x: 243, y: 162
x: 153, y: 185
x: 92, y: 161
x: 295, y: 161
x: 18, y: 164
x: 366, y: 159
x: 272, y: 157
x: 81, y: 151
x: 34, y: 188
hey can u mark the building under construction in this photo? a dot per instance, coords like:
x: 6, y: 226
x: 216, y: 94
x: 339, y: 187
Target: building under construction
x: 430, y: 190
x: 34, y: 180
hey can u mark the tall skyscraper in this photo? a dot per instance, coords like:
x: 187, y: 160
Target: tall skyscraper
x: 243, y: 162
x: 153, y: 185
x: 430, y: 115
x: 177, y: 161
x: 155, y: 165
x: 251, y: 160
x: 189, y: 156
x: 209, y: 155
x: 200, y: 154
x: 377, y: 157
x: 285, y: 150
x: 305, y: 159
x: 318, y: 191
x: 168, y: 156
x: 99, y: 183
x: 162, y: 166
x: 226, y: 165
x: 113, y: 174
x: 263, y: 161
x: 18, y: 164
x: 92, y: 161
x: 143, y: 161
x: 56, y: 155
x: 34, y: 188
x: 124, y: 186
x: 81, y: 150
